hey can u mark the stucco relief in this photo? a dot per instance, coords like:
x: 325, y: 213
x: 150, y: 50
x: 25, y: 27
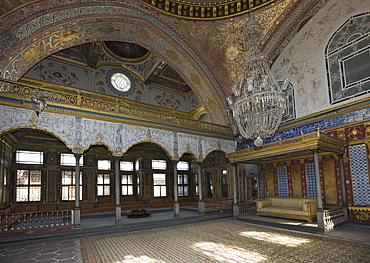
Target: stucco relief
x: 80, y: 133
x: 303, y: 63
x: 210, y: 144
x: 188, y: 144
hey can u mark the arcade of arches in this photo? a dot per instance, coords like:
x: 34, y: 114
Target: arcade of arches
x: 137, y: 93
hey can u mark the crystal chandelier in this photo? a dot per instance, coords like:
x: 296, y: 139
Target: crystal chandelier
x: 258, y: 102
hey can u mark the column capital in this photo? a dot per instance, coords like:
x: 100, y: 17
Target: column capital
x: 315, y: 150
x: 117, y: 158
x: 77, y: 155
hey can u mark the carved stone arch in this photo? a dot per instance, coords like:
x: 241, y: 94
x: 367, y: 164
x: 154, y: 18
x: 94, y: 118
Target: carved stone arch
x: 117, y: 22
x: 147, y: 141
x: 209, y: 145
x: 14, y: 118
x: 32, y: 129
x: 215, y: 158
x: 188, y: 143
x: 100, y: 144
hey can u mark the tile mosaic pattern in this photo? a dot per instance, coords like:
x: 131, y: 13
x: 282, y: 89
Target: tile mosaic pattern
x: 328, y: 123
x: 360, y: 174
x: 282, y: 181
x: 310, y: 180
x: 220, y: 241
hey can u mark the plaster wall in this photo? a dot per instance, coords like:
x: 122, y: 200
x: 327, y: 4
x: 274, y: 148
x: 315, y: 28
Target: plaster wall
x: 79, y: 134
x: 303, y: 60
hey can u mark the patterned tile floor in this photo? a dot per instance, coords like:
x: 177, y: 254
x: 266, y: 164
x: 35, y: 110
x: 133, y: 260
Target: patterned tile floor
x: 221, y: 241
x: 68, y: 249
x: 65, y: 251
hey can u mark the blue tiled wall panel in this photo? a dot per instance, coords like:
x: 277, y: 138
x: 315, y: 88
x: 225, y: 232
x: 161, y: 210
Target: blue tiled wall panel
x: 360, y: 174
x: 282, y: 181
x: 310, y: 180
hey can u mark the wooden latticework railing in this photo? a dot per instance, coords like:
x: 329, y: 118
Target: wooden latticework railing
x: 333, y: 217
x: 218, y: 205
x: 35, y: 220
x: 247, y: 208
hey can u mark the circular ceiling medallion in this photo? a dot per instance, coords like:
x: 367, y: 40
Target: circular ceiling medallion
x: 120, y: 82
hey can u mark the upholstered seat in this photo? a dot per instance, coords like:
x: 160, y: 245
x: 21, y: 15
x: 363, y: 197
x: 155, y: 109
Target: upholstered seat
x: 288, y: 207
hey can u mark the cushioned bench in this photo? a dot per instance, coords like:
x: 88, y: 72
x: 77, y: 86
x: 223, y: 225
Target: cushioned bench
x: 288, y: 207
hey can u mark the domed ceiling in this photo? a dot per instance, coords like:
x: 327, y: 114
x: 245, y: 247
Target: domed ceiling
x: 91, y: 55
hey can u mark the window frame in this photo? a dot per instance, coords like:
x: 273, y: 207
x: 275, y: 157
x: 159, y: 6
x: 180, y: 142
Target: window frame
x: 104, y: 185
x: 29, y: 185
x: 70, y: 187
x: 161, y: 187
x: 27, y: 162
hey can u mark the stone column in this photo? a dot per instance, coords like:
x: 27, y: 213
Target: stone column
x: 201, y: 207
x: 77, y: 212
x: 117, y: 180
x: 235, y: 182
x: 320, y: 208
x: 344, y: 195
x: 176, y: 205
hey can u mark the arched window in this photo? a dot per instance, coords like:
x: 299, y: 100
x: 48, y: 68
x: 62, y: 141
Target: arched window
x: 347, y: 57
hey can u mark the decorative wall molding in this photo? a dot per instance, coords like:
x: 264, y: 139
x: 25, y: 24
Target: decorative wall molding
x: 78, y: 134
x: 207, y: 10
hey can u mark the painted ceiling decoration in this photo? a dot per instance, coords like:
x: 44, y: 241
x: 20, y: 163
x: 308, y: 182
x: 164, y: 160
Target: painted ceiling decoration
x: 126, y: 51
x: 192, y: 45
x: 131, y: 56
x: 206, y: 10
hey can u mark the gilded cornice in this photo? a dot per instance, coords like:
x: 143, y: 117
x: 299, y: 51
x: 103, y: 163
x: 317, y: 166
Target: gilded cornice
x: 206, y: 10
x: 290, y: 148
x: 74, y: 101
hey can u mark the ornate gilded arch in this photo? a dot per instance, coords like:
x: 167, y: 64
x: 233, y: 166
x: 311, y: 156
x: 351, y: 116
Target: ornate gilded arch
x: 47, y: 31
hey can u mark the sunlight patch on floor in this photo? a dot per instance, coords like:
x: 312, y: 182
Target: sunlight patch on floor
x: 275, y: 238
x: 298, y: 224
x: 229, y: 254
x: 140, y: 259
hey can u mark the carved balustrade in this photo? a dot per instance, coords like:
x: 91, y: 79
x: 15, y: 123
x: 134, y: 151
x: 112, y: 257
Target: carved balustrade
x: 247, y: 208
x: 35, y: 220
x: 218, y: 205
x: 333, y: 217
